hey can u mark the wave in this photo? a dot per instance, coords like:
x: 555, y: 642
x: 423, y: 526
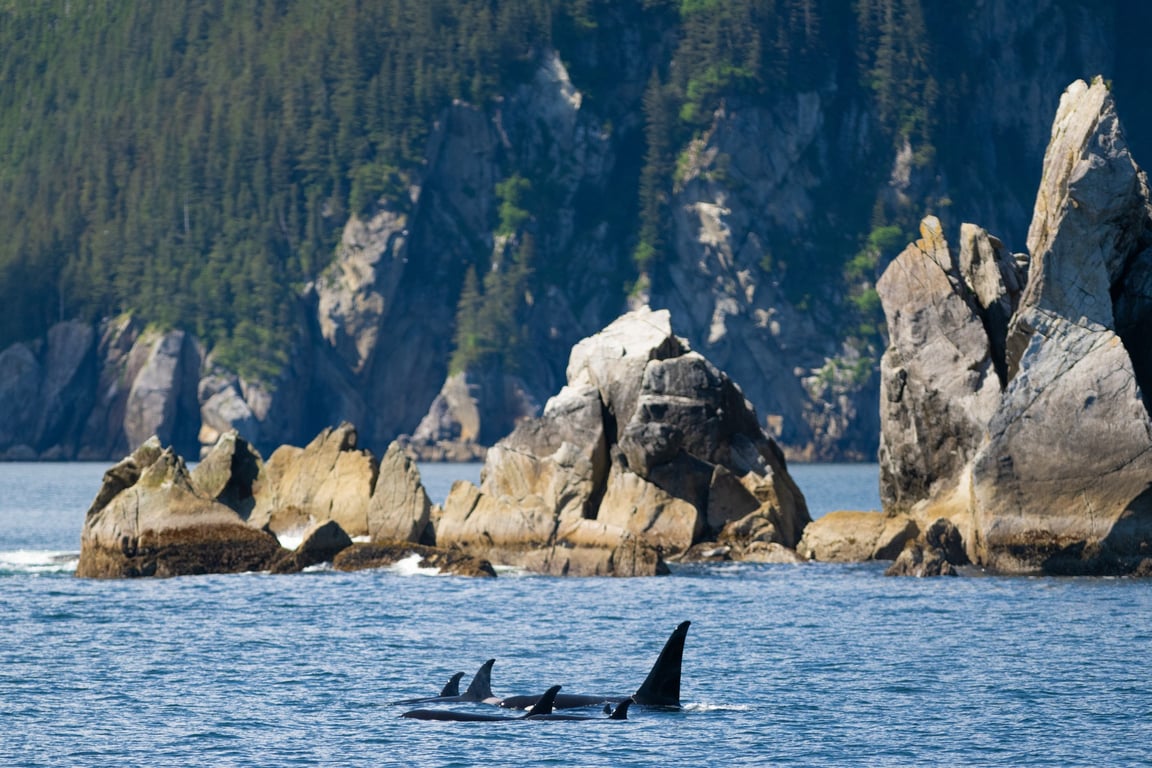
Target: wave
x: 410, y: 566
x: 38, y: 561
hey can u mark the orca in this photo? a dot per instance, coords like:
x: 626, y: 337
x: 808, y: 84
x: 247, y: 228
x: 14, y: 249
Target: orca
x: 541, y: 710
x: 661, y: 689
x: 480, y: 689
x: 452, y: 687
x: 619, y: 713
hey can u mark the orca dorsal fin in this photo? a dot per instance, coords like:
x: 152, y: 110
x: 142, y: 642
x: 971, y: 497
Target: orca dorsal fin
x: 544, y: 705
x: 481, y: 686
x: 662, y: 686
x: 621, y: 711
x: 453, y: 686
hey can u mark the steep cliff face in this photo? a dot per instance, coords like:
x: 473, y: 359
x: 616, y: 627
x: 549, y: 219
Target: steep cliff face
x: 772, y: 196
x: 387, y: 306
x: 745, y: 197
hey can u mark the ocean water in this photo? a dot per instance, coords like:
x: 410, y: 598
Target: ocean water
x: 791, y: 665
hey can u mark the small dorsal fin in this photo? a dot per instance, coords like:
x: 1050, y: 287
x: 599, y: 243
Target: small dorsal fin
x: 621, y: 711
x: 544, y: 706
x: 481, y: 686
x: 453, y: 686
x: 662, y: 686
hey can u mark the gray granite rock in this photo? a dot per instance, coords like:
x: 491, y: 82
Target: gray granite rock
x: 627, y: 455
x: 1045, y: 466
x: 149, y: 519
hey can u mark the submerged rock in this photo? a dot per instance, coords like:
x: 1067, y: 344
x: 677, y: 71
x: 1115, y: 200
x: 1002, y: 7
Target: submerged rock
x: 321, y: 544
x: 916, y: 560
x: 383, y: 554
x: 648, y: 447
x: 1014, y: 402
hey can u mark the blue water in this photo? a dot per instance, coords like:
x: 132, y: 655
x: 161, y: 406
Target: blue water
x: 811, y: 665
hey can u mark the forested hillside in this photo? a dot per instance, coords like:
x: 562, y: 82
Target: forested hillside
x: 751, y: 164
x: 195, y: 161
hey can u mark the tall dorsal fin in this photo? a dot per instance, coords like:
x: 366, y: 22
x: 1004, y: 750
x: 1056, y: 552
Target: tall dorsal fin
x: 453, y: 686
x: 662, y: 686
x: 481, y: 686
x: 544, y: 706
x: 621, y: 711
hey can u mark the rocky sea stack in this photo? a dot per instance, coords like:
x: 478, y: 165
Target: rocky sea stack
x: 1014, y: 392
x: 150, y: 519
x: 648, y: 450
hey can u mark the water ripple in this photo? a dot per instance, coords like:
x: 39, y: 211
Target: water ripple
x: 785, y: 665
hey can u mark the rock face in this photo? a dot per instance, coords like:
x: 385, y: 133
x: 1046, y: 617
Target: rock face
x: 473, y: 410
x: 329, y: 479
x: 1022, y: 415
x: 229, y: 473
x: 47, y: 396
x: 938, y: 382
x: 149, y: 520
x: 853, y: 537
x: 399, y: 509
x: 163, y: 391
x: 647, y: 448
x: 757, y: 198
x: 740, y: 198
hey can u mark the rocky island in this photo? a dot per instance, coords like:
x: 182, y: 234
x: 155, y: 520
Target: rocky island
x: 647, y: 452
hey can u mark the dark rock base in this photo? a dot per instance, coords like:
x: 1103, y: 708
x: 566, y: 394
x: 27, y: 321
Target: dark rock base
x: 383, y: 554
x: 183, y: 552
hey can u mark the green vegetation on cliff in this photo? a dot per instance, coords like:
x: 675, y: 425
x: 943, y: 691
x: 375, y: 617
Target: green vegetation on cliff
x: 195, y: 161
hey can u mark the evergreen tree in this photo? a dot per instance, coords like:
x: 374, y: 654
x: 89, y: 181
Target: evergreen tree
x: 466, y: 342
x: 655, y: 177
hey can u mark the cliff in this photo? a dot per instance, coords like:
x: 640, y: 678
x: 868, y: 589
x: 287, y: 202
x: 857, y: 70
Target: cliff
x: 775, y: 200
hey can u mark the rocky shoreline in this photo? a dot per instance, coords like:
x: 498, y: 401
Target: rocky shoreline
x: 1016, y: 433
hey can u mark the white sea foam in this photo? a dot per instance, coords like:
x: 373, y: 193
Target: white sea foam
x: 38, y: 561
x: 292, y: 539
x: 410, y: 566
